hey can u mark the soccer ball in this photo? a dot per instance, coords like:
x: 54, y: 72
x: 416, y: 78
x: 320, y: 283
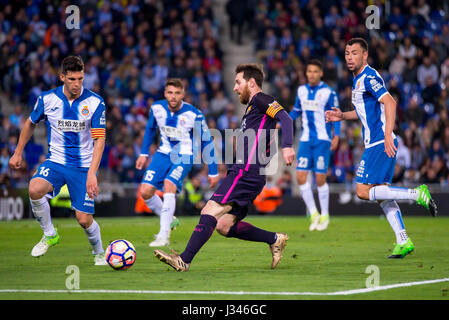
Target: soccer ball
x: 120, y: 254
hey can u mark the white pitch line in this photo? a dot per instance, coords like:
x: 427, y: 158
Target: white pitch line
x: 336, y: 293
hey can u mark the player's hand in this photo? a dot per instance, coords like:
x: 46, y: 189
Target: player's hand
x: 333, y: 115
x: 289, y: 155
x: 92, y: 185
x: 334, y: 143
x: 16, y: 161
x: 390, y: 148
x: 278, y: 125
x: 140, y: 162
x: 213, y: 181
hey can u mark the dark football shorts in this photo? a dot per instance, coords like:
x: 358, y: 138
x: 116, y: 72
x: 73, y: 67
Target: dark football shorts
x: 239, y: 189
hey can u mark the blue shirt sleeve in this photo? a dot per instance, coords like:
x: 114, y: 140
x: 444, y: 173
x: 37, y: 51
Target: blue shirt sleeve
x: 207, y: 147
x: 332, y: 102
x: 296, y: 111
x: 149, y: 134
x: 375, y: 86
x: 99, y: 117
x: 38, y: 111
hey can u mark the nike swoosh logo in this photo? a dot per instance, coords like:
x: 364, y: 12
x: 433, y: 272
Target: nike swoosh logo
x: 218, y: 194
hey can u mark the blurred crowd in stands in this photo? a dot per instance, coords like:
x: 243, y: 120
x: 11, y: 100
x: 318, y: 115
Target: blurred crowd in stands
x: 130, y: 47
x: 410, y: 50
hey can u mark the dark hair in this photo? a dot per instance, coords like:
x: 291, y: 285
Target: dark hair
x: 72, y: 64
x: 251, y: 70
x: 175, y: 82
x: 315, y: 62
x: 362, y: 42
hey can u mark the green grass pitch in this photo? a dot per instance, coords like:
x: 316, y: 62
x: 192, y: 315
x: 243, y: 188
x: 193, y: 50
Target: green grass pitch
x: 321, y: 262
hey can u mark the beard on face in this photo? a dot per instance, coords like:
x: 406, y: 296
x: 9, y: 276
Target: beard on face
x: 244, y: 96
x: 174, y: 104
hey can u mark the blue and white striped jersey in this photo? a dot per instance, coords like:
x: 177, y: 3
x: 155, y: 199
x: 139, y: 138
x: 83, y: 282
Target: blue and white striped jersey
x: 183, y: 134
x: 312, y: 103
x: 367, y: 89
x: 71, y: 126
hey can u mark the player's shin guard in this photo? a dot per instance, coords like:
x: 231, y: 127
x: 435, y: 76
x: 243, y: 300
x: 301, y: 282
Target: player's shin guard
x: 246, y: 231
x: 200, y: 235
x: 41, y: 210
x: 323, y: 196
x: 167, y: 212
x: 94, y: 236
x: 155, y: 204
x: 384, y: 192
x: 307, y: 195
x: 394, y: 217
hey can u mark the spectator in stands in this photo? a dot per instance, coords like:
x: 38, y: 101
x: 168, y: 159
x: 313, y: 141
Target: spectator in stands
x: 285, y: 183
x: 425, y: 70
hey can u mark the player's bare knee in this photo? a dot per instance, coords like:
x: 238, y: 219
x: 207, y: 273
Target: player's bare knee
x: 222, y: 228
x: 169, y: 187
x: 362, y: 194
x: 146, y: 191
x: 213, y: 209
x: 84, y: 220
x: 35, y: 191
x: 301, y: 177
x: 320, y: 180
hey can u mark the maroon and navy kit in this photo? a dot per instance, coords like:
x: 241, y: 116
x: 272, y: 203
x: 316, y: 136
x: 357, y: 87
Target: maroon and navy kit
x: 245, y: 179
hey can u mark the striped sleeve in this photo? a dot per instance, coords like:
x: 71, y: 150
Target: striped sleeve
x: 98, y: 133
x: 273, y: 108
x: 98, y: 129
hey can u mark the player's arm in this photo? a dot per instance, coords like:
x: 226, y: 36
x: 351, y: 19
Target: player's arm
x: 390, y: 117
x: 92, y: 183
x: 27, y: 132
x: 375, y: 86
x: 98, y: 133
x: 333, y: 103
x: 150, y: 130
x: 16, y: 160
x: 296, y: 111
x: 337, y: 115
x: 208, y: 152
x: 287, y: 135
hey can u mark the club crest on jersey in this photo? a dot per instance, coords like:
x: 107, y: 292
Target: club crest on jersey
x: 85, y: 111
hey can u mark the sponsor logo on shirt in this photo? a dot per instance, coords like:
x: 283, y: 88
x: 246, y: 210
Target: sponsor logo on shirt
x: 71, y: 125
x: 172, y: 132
x: 311, y: 105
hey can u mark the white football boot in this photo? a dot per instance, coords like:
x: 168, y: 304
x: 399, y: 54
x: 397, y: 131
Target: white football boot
x: 46, y: 242
x: 100, y: 259
x: 160, y: 241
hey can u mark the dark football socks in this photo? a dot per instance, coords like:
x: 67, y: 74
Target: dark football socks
x: 200, y: 235
x: 246, y: 231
